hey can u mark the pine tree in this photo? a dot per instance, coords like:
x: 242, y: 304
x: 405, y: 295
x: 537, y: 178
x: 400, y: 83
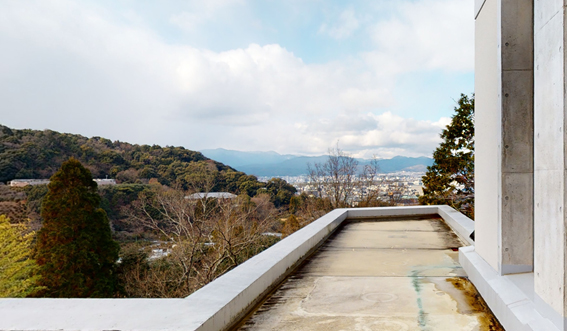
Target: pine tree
x: 18, y: 272
x: 450, y: 180
x: 75, y: 250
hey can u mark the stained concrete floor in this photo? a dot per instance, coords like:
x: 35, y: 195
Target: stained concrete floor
x: 396, y: 275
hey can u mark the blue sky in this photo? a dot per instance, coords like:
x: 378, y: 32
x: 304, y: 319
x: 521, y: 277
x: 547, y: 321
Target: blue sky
x: 292, y: 76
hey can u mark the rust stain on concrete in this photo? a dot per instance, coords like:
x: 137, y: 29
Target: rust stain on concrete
x: 476, y: 303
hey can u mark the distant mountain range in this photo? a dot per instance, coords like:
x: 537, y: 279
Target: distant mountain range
x: 238, y: 158
x: 274, y: 164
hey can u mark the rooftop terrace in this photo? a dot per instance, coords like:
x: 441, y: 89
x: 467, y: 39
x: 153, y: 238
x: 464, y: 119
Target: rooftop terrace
x: 379, y: 274
x: 399, y: 271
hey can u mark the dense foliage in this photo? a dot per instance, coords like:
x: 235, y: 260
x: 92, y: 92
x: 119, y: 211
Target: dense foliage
x: 18, y: 272
x: 450, y: 180
x: 199, y: 239
x: 13, y: 204
x: 75, y: 250
x: 38, y: 154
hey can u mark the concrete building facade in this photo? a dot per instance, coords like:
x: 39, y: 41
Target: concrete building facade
x: 520, y: 167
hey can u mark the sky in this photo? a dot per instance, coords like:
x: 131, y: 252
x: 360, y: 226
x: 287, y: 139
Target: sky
x: 378, y: 77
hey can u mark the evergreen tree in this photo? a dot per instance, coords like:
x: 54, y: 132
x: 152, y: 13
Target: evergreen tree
x: 291, y: 225
x: 75, y: 250
x: 18, y: 272
x: 450, y: 180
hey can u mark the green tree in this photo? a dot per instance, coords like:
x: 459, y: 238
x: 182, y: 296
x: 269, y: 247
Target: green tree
x: 450, y: 180
x: 75, y: 250
x: 18, y: 272
x: 294, y: 204
x: 280, y: 191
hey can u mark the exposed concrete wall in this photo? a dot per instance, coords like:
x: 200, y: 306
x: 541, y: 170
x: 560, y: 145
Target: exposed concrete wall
x: 504, y: 134
x: 549, y: 156
x: 488, y: 133
x: 517, y: 136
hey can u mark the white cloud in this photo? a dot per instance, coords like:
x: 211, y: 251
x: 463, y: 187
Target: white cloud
x: 66, y: 67
x: 369, y: 134
x: 346, y: 24
x: 424, y: 35
x: 269, y: 81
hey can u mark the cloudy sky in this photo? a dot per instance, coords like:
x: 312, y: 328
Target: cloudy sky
x: 292, y: 76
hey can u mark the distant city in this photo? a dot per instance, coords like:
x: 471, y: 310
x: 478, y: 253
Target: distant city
x: 402, y: 188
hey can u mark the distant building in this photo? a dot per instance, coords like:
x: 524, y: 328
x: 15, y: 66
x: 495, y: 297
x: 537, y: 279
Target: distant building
x: 26, y: 182
x: 158, y: 253
x: 214, y: 195
x: 105, y: 181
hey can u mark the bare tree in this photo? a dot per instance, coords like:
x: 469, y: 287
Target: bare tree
x: 336, y: 178
x: 167, y: 213
x: 339, y: 178
x: 204, y: 238
x: 369, y: 183
x: 237, y: 232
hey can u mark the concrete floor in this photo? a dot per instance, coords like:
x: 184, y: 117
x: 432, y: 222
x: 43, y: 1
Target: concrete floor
x: 389, y: 275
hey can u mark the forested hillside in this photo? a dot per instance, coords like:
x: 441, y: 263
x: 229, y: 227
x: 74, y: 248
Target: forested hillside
x: 169, y: 245
x: 38, y: 154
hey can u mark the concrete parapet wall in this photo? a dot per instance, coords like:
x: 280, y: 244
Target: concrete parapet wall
x: 391, y: 211
x: 462, y: 225
x: 223, y: 301
x: 216, y: 306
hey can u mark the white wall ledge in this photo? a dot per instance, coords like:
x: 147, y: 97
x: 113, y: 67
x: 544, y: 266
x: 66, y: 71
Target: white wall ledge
x: 510, y: 297
x: 216, y: 306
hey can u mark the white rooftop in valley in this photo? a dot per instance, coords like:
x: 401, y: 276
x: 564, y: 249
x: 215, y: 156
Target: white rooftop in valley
x: 213, y: 195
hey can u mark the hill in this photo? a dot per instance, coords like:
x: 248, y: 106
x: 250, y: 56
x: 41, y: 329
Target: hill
x: 273, y: 164
x: 39, y: 154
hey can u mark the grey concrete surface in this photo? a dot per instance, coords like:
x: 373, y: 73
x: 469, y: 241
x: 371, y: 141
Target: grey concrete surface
x: 517, y: 223
x: 517, y: 120
x: 517, y: 53
x: 517, y: 39
x: 378, y: 275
